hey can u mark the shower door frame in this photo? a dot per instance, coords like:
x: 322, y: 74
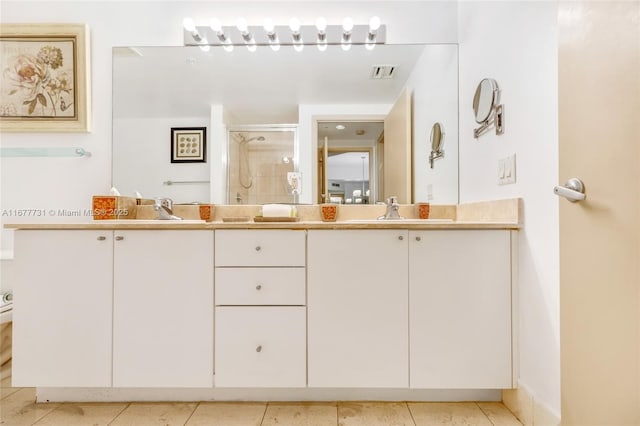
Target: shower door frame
x: 262, y: 128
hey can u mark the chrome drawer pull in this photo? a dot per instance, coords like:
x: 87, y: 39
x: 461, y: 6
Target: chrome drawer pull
x: 259, y: 287
x: 418, y: 239
x: 119, y: 238
x: 102, y: 238
x: 258, y: 248
x: 259, y: 349
x: 401, y: 238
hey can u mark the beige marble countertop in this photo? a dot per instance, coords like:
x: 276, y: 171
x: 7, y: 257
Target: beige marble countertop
x: 498, y: 214
x: 134, y: 224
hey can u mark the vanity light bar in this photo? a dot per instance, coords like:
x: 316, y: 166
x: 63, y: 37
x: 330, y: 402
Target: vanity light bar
x: 293, y: 34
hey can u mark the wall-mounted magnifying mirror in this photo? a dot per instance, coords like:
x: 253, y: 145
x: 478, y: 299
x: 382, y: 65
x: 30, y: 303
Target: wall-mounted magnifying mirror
x: 437, y: 138
x: 486, y: 107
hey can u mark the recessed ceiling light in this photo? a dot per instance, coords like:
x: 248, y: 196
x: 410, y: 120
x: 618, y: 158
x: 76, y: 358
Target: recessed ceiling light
x: 360, y: 132
x: 340, y: 127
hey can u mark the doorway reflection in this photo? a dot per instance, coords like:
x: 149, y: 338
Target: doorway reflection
x: 350, y: 159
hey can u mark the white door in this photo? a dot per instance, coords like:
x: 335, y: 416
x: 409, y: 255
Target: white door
x: 357, y: 303
x: 599, y: 119
x: 62, y: 309
x: 397, y: 179
x: 460, y: 309
x: 163, y: 309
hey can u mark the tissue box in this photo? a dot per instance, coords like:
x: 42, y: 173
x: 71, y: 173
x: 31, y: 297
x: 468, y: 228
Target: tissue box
x: 107, y: 207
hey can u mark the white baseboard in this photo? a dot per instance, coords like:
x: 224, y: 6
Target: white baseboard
x: 530, y: 412
x: 267, y: 394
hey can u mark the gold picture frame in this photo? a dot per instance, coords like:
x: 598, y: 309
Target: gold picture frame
x: 45, y: 78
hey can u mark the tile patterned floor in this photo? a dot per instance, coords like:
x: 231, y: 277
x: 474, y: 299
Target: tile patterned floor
x: 17, y: 408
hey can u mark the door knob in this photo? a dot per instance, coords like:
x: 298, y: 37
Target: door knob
x: 572, y: 190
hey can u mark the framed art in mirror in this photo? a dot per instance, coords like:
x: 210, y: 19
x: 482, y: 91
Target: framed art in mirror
x: 45, y: 78
x: 188, y: 144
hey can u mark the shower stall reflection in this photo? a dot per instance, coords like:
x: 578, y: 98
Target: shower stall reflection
x: 260, y: 161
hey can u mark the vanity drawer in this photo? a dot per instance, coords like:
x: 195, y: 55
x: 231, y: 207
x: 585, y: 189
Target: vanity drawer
x: 260, y: 347
x: 260, y: 286
x: 242, y: 247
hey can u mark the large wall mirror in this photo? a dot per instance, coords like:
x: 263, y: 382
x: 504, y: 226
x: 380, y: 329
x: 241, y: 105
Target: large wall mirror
x: 241, y: 95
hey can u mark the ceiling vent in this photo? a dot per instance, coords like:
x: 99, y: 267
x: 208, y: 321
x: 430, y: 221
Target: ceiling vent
x: 383, y: 71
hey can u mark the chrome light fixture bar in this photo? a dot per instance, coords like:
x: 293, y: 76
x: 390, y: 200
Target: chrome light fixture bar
x: 294, y: 34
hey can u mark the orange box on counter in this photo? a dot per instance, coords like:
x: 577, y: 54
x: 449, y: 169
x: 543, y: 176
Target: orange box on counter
x: 106, y: 207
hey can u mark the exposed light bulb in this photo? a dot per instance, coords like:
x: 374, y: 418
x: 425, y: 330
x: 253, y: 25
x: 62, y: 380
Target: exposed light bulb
x: 205, y: 47
x: 251, y: 47
x: 241, y: 24
x: 228, y: 47
x: 215, y: 25
x: 189, y: 25
x: 374, y: 23
x: 322, y: 46
x: 275, y: 47
x: 298, y: 47
x: 268, y: 25
x: 347, y: 24
x: 321, y: 24
x: 346, y: 46
x: 369, y: 46
x: 294, y: 24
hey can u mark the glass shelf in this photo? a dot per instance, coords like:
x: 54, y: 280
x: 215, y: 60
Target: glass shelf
x: 44, y: 152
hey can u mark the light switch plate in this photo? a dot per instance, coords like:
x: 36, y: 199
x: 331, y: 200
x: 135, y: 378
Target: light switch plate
x: 507, y: 170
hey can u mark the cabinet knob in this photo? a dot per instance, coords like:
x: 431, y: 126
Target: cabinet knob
x: 401, y: 238
x: 102, y: 238
x: 258, y: 248
x: 259, y: 287
x: 119, y: 238
x: 418, y: 238
x: 259, y: 348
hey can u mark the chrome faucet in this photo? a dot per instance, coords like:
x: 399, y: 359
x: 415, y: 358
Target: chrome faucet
x: 393, y: 209
x: 164, y: 207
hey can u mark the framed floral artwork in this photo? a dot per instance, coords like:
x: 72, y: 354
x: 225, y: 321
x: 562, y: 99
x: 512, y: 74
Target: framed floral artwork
x: 44, y: 80
x: 188, y: 144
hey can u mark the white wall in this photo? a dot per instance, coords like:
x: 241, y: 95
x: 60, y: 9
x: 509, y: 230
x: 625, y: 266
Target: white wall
x: 516, y: 44
x: 434, y: 86
x: 143, y: 155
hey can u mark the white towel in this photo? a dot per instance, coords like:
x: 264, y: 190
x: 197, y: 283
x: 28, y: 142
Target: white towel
x: 277, y: 210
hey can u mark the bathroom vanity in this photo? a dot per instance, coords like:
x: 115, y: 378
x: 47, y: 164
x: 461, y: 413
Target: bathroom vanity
x: 302, y: 310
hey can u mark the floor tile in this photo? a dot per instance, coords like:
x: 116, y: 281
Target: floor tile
x: 147, y: 414
x: 448, y: 413
x: 6, y: 391
x: 301, y: 414
x: 374, y: 414
x: 81, y: 414
x: 499, y: 414
x: 228, y: 414
x: 20, y: 409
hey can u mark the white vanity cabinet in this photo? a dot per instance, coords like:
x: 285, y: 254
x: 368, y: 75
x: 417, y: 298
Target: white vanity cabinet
x: 62, y: 310
x: 260, y: 314
x: 358, y: 308
x: 163, y: 308
x: 460, y: 309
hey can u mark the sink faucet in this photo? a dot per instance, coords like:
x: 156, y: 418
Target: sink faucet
x: 164, y: 207
x: 393, y: 209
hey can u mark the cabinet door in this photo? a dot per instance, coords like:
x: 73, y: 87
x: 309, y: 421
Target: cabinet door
x: 163, y: 309
x: 357, y: 308
x: 260, y: 347
x: 62, y: 309
x: 460, y: 309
